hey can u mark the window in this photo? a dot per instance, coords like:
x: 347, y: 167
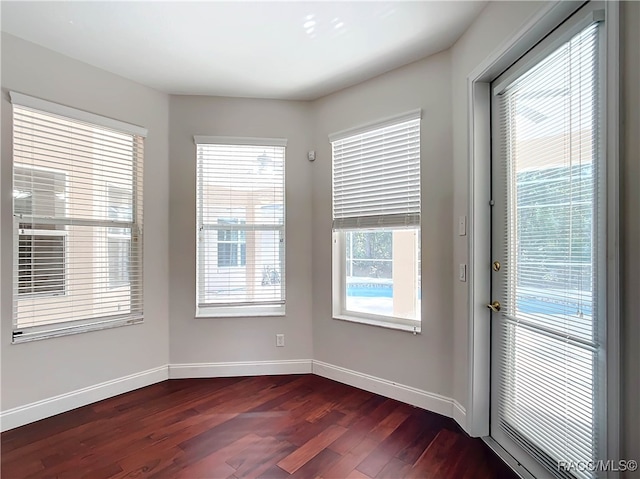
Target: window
x: 376, y: 223
x: 77, y: 204
x: 240, y: 219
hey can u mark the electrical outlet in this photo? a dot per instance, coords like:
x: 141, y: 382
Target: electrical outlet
x: 280, y: 340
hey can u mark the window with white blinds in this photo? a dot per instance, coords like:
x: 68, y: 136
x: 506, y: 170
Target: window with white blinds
x: 551, y: 335
x: 376, y: 175
x: 240, y: 214
x: 77, y: 209
x: 376, y: 223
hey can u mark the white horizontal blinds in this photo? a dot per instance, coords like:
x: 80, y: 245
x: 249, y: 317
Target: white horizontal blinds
x: 241, y: 213
x: 550, y: 392
x: 77, y: 202
x: 376, y: 177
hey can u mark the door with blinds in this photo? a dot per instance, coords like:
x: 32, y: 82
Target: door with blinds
x: 548, y: 254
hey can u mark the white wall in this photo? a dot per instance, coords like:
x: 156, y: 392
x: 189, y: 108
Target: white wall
x: 42, y: 369
x: 421, y: 361
x: 207, y: 340
x: 496, y: 24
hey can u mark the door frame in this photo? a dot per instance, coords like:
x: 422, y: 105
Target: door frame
x: 479, y: 214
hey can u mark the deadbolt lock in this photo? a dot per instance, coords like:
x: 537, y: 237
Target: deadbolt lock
x: 496, y: 265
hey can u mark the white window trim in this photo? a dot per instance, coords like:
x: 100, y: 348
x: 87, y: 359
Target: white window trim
x: 75, y: 114
x: 35, y: 333
x: 238, y: 140
x: 388, y: 121
x: 240, y: 311
x: 479, y: 157
x: 339, y: 297
x: 48, y: 331
x: 338, y: 280
x: 245, y: 310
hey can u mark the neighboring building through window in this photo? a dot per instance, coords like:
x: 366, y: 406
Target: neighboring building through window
x: 240, y: 217
x: 41, y: 247
x: 77, y: 204
x: 376, y: 223
x: 232, y: 244
x: 119, y: 208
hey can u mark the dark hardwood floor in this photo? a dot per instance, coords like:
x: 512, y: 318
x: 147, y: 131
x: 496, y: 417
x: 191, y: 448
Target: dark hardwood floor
x: 259, y: 427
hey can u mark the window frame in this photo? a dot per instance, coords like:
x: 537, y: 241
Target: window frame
x: 339, y: 256
x: 27, y: 333
x: 339, y: 288
x: 230, y: 310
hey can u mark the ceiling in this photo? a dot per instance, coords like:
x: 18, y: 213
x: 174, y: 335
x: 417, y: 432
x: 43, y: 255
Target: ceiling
x: 268, y: 49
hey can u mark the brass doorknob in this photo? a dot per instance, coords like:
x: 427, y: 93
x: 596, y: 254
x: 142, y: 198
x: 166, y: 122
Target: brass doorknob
x: 495, y: 306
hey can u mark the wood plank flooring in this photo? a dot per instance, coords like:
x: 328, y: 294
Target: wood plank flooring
x: 267, y: 427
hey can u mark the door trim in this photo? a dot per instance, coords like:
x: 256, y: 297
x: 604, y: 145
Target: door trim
x: 479, y: 188
x: 479, y: 234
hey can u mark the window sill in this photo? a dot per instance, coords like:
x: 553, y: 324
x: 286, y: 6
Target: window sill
x: 381, y: 323
x: 37, y: 333
x: 213, y: 312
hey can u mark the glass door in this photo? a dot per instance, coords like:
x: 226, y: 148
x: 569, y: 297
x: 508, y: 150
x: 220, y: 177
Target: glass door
x: 548, y: 248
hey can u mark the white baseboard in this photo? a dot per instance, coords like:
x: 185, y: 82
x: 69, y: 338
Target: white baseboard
x: 22, y: 415
x: 245, y: 368
x: 19, y: 416
x: 407, y: 394
x: 460, y: 415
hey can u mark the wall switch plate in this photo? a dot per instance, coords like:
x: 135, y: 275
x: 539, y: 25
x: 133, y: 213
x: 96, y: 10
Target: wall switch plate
x: 462, y: 226
x: 462, y: 272
x: 280, y: 340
